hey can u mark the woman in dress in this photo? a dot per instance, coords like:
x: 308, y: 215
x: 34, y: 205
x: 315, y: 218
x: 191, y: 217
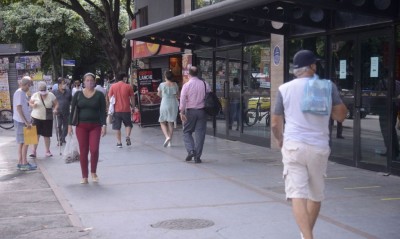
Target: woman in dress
x: 43, y: 104
x: 91, y: 125
x: 168, y: 91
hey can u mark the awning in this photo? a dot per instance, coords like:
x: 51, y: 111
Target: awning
x: 239, y: 21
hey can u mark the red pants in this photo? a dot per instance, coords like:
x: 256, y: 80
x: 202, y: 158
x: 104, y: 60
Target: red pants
x: 88, y: 135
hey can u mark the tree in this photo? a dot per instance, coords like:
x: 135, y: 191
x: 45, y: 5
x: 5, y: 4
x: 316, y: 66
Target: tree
x: 105, y: 21
x: 44, y: 27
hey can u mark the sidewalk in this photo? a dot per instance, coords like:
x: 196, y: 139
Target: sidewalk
x: 147, y: 191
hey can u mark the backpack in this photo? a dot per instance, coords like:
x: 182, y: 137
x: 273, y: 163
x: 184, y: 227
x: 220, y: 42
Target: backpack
x: 212, y: 105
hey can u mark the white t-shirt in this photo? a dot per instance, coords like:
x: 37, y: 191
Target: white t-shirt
x: 39, y: 111
x: 20, y: 98
x: 299, y: 126
x: 74, y: 90
x: 101, y: 89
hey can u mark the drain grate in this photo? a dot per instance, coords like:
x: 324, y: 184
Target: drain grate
x: 183, y: 224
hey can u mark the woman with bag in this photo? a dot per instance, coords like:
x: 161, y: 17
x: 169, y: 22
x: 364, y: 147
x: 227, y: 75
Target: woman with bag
x: 43, y: 104
x: 88, y: 113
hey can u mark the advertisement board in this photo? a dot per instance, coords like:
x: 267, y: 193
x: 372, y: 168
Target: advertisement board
x: 148, y: 81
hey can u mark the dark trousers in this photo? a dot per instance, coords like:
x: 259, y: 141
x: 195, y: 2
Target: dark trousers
x: 197, y: 123
x: 234, y: 114
x: 88, y: 136
x: 62, y: 127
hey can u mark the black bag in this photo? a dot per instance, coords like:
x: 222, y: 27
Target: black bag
x: 212, y: 105
x: 49, y: 111
x: 75, y: 111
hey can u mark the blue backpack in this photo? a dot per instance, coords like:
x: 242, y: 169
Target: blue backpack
x: 317, y: 96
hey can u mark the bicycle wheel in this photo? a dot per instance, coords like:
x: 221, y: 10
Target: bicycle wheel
x: 267, y: 118
x: 250, y: 117
x: 6, y: 119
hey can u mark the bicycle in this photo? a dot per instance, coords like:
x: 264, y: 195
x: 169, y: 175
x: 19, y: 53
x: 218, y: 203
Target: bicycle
x: 254, y: 115
x: 6, y: 119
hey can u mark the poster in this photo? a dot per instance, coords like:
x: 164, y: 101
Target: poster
x: 148, y: 81
x: 342, y: 69
x: 5, y: 100
x: 374, y: 67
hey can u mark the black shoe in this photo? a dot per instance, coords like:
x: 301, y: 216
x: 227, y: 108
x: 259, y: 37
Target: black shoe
x: 340, y: 137
x: 197, y: 160
x: 190, y: 155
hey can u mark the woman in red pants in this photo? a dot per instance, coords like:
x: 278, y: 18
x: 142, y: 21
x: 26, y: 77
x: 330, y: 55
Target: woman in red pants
x: 91, y: 125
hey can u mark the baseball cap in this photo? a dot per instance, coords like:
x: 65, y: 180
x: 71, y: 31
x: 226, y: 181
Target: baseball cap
x: 304, y: 58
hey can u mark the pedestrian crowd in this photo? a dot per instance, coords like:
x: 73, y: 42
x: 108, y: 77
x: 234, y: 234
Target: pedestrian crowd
x: 299, y: 123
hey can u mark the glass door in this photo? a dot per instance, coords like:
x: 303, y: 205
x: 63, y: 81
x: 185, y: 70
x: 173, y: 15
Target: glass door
x: 361, y: 71
x: 228, y: 86
x: 343, y: 75
x: 378, y: 133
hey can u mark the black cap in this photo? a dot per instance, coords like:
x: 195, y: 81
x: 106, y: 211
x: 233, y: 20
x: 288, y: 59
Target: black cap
x: 304, y: 58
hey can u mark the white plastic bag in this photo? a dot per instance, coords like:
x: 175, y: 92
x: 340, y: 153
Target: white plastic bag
x: 71, y: 150
x: 317, y: 97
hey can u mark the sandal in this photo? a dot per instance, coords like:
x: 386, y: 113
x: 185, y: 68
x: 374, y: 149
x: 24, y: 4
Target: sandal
x: 84, y: 181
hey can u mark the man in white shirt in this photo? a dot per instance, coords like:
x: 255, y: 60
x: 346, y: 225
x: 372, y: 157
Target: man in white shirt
x: 304, y: 141
x: 22, y: 118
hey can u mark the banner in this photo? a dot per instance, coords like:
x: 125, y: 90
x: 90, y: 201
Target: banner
x: 148, y: 81
x: 5, y: 100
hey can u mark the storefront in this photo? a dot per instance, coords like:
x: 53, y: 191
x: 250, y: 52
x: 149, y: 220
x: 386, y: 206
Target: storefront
x: 236, y: 42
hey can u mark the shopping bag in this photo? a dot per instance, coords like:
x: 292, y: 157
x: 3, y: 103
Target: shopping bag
x: 30, y: 135
x: 71, y: 150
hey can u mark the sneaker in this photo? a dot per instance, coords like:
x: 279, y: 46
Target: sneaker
x: 27, y: 167
x: 32, y: 155
x: 169, y: 144
x: 34, y: 166
x: 119, y: 145
x: 128, y: 141
x: 48, y: 154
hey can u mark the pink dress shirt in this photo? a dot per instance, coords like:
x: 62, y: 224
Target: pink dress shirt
x: 192, y: 94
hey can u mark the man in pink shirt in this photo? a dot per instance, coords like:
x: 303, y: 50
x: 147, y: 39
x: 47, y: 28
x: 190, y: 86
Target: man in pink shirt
x: 192, y: 114
x: 124, y: 101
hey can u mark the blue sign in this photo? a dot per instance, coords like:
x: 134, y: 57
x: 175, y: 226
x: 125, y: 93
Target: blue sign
x: 68, y: 62
x: 277, y: 55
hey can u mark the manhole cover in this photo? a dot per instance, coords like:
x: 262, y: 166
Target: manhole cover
x: 183, y: 224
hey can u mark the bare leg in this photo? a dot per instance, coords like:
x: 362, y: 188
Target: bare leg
x: 313, y: 209
x: 35, y: 145
x: 170, y: 129
x: 24, y: 151
x: 118, y: 136
x: 164, y: 128
x: 20, y: 154
x: 47, y: 143
x: 128, y: 131
x: 303, y: 219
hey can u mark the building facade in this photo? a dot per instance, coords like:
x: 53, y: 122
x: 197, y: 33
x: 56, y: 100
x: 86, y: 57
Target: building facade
x: 244, y: 50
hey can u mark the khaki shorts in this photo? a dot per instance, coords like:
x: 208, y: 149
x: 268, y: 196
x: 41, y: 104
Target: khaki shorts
x: 304, y: 170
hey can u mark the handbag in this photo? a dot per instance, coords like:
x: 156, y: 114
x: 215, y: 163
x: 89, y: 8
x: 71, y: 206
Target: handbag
x: 49, y: 111
x: 30, y: 135
x: 75, y: 111
x: 212, y: 105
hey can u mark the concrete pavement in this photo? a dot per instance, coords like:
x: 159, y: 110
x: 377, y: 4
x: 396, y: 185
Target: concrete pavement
x: 148, y: 191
